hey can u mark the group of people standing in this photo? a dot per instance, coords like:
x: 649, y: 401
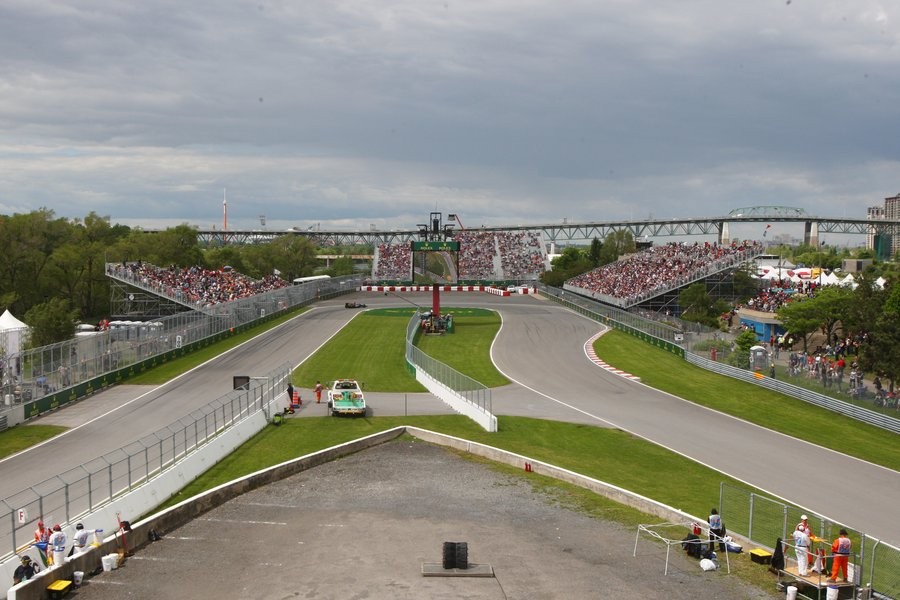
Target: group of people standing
x: 803, y: 538
x: 51, y: 544
x: 840, y: 549
x: 290, y: 393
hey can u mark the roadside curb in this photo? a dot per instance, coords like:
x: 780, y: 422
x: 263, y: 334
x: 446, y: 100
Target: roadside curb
x: 592, y: 356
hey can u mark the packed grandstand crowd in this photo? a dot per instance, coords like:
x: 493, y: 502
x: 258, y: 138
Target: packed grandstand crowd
x: 482, y: 255
x: 779, y: 293
x: 197, y: 285
x: 636, y: 277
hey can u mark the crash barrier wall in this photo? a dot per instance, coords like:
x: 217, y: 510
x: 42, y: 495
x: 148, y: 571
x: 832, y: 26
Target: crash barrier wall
x: 55, y: 375
x: 659, y: 334
x: 833, y: 404
x: 462, y: 393
x: 763, y: 520
x: 176, y: 516
x: 169, y: 459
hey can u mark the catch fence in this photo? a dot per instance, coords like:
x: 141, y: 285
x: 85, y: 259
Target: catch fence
x: 83, y: 489
x: 763, y: 520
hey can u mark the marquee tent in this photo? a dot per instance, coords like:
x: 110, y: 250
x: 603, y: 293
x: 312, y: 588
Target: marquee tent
x: 12, y: 334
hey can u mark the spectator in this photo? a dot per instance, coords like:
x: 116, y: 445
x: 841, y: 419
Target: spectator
x: 25, y: 571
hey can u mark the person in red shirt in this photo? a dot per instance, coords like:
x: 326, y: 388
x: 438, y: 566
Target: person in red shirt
x: 42, y: 534
x: 841, y: 551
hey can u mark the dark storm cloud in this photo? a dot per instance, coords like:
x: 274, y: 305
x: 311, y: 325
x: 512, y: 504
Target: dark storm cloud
x: 357, y: 113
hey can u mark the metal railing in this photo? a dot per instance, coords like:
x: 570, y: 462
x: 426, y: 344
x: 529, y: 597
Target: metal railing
x: 665, y: 336
x: 51, y: 371
x: 473, y: 391
x: 763, y: 520
x: 80, y: 491
x: 833, y: 404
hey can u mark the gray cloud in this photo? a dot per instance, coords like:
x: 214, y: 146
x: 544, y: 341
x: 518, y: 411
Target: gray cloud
x: 358, y: 113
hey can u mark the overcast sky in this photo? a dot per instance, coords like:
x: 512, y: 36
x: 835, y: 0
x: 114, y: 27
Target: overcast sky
x: 353, y: 113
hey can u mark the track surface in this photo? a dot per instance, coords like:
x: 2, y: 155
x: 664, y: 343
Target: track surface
x: 540, y: 348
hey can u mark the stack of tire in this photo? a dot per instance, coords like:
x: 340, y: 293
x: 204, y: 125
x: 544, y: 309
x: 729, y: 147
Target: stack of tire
x: 456, y: 555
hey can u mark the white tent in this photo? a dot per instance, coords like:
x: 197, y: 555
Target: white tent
x: 830, y: 279
x: 12, y: 334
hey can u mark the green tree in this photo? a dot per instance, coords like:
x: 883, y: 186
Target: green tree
x: 882, y: 351
x: 51, y: 322
x: 698, y: 306
x: 28, y: 241
x: 571, y: 262
x: 742, y: 344
x: 595, y: 252
x: 831, y: 303
x: 744, y: 285
x: 800, y: 318
x: 296, y: 256
x: 616, y: 244
x: 342, y: 265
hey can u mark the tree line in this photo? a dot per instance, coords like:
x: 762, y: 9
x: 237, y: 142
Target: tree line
x: 53, y: 273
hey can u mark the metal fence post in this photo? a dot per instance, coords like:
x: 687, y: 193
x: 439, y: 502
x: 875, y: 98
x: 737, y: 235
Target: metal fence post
x: 750, y: 518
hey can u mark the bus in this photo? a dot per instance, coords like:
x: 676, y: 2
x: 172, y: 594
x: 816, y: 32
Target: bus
x: 301, y: 280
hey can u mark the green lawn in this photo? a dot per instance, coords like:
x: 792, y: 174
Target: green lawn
x: 607, y: 454
x: 662, y: 370
x: 16, y: 439
x: 377, y: 338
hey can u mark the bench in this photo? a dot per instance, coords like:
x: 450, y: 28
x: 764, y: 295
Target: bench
x: 59, y: 588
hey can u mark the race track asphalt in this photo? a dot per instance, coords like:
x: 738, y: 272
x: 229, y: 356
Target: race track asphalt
x: 540, y: 348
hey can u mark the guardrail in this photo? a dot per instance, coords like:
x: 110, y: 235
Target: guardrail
x: 663, y: 336
x: 453, y: 386
x: 845, y: 408
x: 82, y: 490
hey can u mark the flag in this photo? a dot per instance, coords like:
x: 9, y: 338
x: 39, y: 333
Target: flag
x: 766, y: 230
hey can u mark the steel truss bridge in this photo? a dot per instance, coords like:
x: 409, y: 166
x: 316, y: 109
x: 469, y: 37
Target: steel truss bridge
x: 564, y: 233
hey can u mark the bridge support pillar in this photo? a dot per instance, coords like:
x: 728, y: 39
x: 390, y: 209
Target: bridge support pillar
x: 811, y: 234
x: 723, y: 233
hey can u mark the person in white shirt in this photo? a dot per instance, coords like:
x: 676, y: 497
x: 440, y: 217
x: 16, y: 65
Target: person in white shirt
x: 58, y: 541
x: 801, y: 549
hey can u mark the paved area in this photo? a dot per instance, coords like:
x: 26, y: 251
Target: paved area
x: 362, y: 527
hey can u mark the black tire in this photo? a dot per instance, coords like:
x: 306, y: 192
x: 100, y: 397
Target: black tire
x: 449, y: 555
x: 462, y: 555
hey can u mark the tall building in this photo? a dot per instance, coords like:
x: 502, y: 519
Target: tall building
x: 887, y: 243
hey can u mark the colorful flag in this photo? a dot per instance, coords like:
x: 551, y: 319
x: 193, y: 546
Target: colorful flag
x: 766, y: 230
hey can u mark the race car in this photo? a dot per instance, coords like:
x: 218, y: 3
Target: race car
x: 354, y: 305
x: 346, y: 398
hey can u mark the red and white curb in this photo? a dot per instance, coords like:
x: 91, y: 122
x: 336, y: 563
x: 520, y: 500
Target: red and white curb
x: 592, y: 356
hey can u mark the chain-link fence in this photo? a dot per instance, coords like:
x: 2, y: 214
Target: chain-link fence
x: 54, y: 371
x: 764, y: 520
x: 473, y: 391
x: 81, y: 490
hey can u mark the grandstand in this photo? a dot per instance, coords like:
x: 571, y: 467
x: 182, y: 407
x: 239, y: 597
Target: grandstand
x: 193, y: 287
x: 483, y: 256
x: 642, y: 277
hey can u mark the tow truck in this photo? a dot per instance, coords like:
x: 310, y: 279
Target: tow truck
x: 346, y: 398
